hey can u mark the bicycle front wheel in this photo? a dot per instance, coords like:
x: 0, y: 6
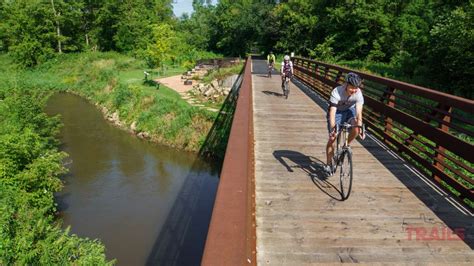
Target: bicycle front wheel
x: 346, y: 174
x: 287, y: 89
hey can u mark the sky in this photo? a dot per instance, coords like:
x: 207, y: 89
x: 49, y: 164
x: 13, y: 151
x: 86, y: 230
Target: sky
x: 184, y: 6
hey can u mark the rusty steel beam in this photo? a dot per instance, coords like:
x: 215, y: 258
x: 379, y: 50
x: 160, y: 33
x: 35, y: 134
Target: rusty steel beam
x: 231, y: 239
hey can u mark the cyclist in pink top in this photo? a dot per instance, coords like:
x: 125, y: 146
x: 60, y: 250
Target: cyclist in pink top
x: 286, y: 69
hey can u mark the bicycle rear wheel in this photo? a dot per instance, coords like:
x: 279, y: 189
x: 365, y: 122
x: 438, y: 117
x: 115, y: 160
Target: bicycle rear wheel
x: 345, y: 176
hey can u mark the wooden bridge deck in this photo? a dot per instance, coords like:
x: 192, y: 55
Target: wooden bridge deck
x: 300, y: 218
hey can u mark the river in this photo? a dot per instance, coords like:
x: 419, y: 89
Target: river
x: 149, y: 204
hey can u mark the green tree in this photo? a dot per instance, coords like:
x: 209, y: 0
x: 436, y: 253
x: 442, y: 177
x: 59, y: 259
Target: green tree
x: 451, y: 50
x: 296, y: 23
x: 410, y: 38
x: 105, y: 25
x: 30, y: 31
x: 136, y: 16
x: 234, y: 31
x: 198, y: 26
x: 161, y: 48
x: 3, y: 28
x: 360, y: 29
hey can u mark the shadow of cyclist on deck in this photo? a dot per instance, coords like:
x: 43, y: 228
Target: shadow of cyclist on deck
x: 272, y: 93
x: 313, y: 167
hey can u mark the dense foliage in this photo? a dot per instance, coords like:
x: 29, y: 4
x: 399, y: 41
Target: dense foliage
x: 30, y: 166
x: 430, y: 42
x: 34, y: 31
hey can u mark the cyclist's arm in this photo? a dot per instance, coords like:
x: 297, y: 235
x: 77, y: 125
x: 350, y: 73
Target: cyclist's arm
x: 359, y: 108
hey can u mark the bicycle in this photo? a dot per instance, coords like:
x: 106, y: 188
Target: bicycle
x: 342, y: 158
x: 270, y: 69
x: 286, y: 85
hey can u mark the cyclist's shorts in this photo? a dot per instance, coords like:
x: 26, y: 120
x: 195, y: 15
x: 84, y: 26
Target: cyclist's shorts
x: 342, y: 116
x: 287, y: 74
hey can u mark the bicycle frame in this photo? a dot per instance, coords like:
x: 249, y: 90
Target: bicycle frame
x: 343, y: 132
x: 270, y: 69
x: 286, y: 84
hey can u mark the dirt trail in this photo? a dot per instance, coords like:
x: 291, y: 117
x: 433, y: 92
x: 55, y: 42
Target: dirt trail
x: 177, y: 84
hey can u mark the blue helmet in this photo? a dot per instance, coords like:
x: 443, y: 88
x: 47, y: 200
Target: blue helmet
x: 353, y: 79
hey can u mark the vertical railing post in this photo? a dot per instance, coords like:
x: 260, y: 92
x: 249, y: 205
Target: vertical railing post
x: 316, y: 73
x: 446, y: 117
x: 338, y: 76
x: 388, y: 95
x: 326, y: 72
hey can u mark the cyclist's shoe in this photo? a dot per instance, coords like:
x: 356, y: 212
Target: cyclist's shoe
x: 329, y: 170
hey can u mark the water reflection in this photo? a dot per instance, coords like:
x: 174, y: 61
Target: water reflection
x: 124, y: 191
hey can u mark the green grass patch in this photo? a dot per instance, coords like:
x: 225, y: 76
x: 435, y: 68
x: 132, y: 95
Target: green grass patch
x: 222, y: 73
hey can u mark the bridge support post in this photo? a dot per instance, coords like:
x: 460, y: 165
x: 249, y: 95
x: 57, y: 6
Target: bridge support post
x: 389, y: 96
x: 445, y: 117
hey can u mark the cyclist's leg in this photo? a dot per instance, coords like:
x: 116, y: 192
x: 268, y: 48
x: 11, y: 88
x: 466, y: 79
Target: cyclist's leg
x: 283, y: 81
x: 351, y: 118
x: 331, y: 141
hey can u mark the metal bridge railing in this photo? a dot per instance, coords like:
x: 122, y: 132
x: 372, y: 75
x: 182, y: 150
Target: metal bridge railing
x: 432, y: 130
x: 231, y: 239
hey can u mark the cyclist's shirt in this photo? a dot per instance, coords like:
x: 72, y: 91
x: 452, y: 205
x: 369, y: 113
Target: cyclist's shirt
x: 287, y: 67
x: 271, y: 58
x: 342, y: 101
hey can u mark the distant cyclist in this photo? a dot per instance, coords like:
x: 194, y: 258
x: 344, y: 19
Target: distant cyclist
x: 286, y: 69
x: 270, y: 62
x: 345, y: 105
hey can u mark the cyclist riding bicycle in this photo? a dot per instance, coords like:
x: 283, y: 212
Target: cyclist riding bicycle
x: 270, y: 63
x: 286, y: 69
x: 345, y: 105
x: 271, y: 58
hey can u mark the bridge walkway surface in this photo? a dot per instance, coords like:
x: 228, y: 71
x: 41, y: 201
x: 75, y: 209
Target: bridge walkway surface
x: 393, y: 214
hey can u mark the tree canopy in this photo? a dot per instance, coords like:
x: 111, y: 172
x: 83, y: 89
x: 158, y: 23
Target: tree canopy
x: 429, y: 38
